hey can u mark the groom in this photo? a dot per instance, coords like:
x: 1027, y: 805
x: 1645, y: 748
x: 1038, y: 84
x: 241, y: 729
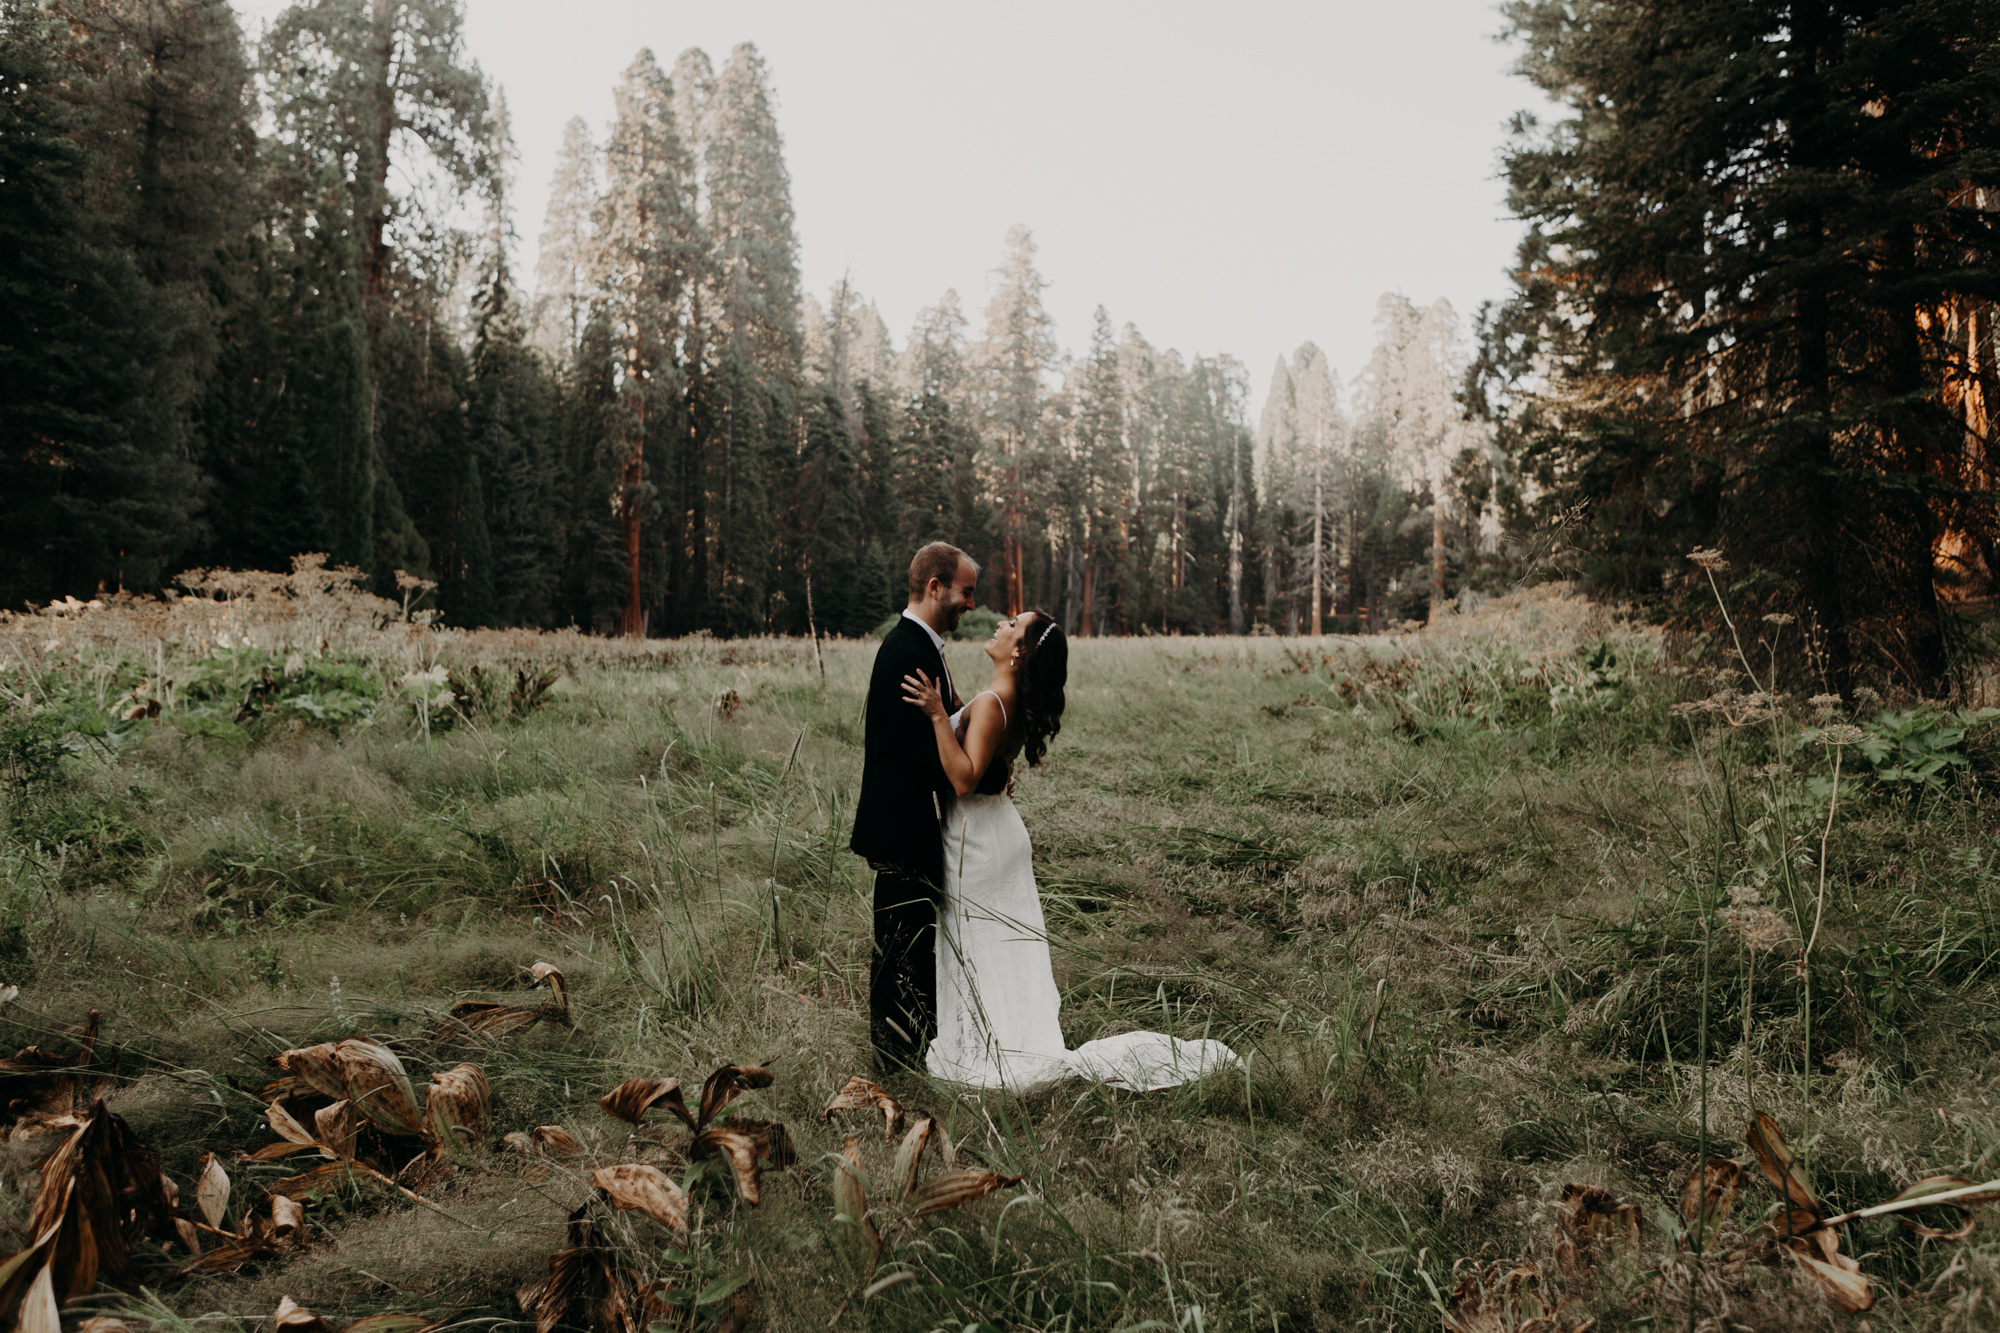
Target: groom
x: 903, y: 794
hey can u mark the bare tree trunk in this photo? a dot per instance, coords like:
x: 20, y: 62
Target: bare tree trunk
x: 1010, y: 527
x: 1319, y: 548
x: 1235, y: 533
x: 374, y: 223
x: 633, y: 626
x: 812, y: 628
x: 1089, y: 589
x: 1437, y: 549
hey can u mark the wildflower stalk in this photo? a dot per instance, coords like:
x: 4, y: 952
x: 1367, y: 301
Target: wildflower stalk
x: 1709, y: 561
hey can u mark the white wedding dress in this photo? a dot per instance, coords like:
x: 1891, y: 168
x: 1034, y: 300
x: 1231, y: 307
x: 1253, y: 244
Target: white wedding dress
x: 998, y: 1009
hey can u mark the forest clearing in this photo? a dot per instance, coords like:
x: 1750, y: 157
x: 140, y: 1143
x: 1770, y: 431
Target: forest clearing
x: 1497, y: 910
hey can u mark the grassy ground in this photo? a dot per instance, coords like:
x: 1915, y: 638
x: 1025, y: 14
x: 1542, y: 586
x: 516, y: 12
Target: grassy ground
x: 1477, y: 904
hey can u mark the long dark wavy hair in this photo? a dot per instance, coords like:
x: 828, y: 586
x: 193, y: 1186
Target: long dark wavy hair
x: 1040, y: 677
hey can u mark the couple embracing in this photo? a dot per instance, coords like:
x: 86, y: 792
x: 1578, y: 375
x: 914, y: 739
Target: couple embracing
x: 961, y: 984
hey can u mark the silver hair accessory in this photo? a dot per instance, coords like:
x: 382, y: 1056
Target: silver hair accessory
x: 1045, y: 633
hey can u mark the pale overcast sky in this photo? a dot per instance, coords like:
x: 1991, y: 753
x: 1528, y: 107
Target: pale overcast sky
x: 1228, y: 177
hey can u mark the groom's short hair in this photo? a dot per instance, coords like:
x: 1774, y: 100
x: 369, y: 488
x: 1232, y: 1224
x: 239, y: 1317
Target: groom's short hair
x: 937, y: 561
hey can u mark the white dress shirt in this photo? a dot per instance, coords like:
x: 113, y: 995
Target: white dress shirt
x: 937, y: 640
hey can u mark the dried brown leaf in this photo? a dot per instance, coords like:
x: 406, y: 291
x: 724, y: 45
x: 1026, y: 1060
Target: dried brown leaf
x: 1780, y: 1167
x: 736, y: 1148
x: 854, y: 1231
x: 40, y: 1311
x: 364, y: 1072
x: 630, y: 1100
x: 1939, y: 1185
x: 99, y: 1184
x: 557, y: 1141
x: 288, y: 1216
x: 211, y: 1192
x: 728, y: 1083
x: 459, y: 1103
x: 1707, y: 1197
x: 232, y: 1255
x: 647, y: 1189
x: 579, y: 1274
x: 277, y: 1152
x: 315, y: 1067
x: 337, y: 1127
x: 18, y: 1275
x: 378, y: 1087
x: 429, y: 1167
x: 1591, y: 1220
x: 772, y: 1141
x: 910, y: 1156
x: 1822, y: 1268
x: 293, y: 1318
x: 486, y: 1018
x: 287, y: 1127
x: 861, y: 1095
x: 544, y: 1141
x: 1487, y: 1300
x: 331, y: 1176
x: 955, y: 1188
x: 552, y: 975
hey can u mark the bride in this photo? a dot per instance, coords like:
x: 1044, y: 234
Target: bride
x: 998, y: 1009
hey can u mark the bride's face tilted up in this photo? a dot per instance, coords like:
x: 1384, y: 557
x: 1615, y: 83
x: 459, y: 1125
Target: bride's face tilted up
x: 1006, y: 639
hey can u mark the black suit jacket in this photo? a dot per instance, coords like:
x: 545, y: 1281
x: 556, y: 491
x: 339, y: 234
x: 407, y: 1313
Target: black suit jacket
x: 903, y: 785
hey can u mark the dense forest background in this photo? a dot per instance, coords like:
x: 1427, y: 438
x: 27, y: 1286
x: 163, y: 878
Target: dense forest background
x: 258, y: 302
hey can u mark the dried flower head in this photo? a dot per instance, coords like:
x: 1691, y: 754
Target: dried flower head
x: 1761, y: 928
x: 1780, y: 618
x: 1709, y: 558
x: 1841, y: 733
x: 1825, y: 703
x: 1745, y: 895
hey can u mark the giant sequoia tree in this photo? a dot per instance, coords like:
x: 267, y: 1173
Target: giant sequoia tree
x: 1754, y: 242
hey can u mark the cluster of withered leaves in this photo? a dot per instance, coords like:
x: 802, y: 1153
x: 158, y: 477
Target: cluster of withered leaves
x: 364, y: 1111
x: 276, y: 1224
x: 1798, y: 1232
x: 489, y: 1018
x: 1492, y: 1297
x: 100, y: 1193
x: 740, y: 1142
x: 855, y: 1232
x: 591, y: 1283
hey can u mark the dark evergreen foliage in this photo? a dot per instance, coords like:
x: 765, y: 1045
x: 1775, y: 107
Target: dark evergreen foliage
x: 1755, y: 305
x: 1756, y: 241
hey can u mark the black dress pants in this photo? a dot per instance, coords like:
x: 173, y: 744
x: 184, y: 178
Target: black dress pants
x: 902, y: 980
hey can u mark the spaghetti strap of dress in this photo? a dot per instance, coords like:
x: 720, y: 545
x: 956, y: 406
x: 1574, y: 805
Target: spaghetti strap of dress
x: 996, y: 699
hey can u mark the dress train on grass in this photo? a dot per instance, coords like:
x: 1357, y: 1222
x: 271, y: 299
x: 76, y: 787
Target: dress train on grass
x: 999, y: 1014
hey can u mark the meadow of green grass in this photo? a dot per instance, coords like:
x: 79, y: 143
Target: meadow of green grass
x: 1475, y: 903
